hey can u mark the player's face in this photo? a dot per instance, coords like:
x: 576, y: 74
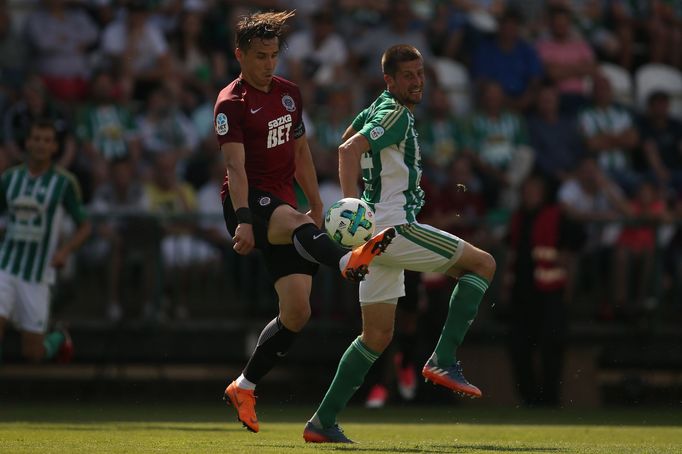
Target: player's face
x: 41, y: 144
x: 408, y: 83
x: 259, y: 61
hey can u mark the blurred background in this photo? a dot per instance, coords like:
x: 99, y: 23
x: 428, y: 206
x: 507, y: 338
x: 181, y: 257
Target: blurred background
x: 530, y: 107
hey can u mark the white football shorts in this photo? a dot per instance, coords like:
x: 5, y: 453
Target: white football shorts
x: 416, y: 247
x: 26, y: 304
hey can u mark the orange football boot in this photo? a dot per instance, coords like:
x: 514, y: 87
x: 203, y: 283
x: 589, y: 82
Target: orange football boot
x: 244, y: 401
x: 360, y: 258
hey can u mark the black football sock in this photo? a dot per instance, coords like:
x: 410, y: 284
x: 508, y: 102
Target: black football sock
x: 314, y: 244
x: 273, y: 344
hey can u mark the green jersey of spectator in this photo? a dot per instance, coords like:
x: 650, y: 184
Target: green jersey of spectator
x: 108, y: 128
x: 495, y: 139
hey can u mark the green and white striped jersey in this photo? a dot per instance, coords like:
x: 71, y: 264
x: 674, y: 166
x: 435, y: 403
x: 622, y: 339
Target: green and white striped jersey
x: 610, y: 120
x: 392, y: 169
x: 108, y: 127
x: 35, y: 205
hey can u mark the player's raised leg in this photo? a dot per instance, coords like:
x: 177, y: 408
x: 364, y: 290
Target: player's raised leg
x: 273, y: 344
x: 377, y: 332
x: 312, y: 243
x: 475, y: 270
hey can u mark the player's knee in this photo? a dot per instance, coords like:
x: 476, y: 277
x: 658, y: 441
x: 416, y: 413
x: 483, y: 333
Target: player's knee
x: 295, y: 315
x: 484, y: 266
x: 377, y: 339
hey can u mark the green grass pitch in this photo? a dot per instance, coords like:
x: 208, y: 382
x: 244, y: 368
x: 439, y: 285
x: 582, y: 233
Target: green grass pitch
x: 187, y: 428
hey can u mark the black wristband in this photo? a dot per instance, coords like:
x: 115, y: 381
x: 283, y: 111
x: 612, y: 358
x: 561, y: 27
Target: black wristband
x: 244, y: 215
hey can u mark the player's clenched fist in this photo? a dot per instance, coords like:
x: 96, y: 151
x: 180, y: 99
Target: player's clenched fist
x: 243, y: 239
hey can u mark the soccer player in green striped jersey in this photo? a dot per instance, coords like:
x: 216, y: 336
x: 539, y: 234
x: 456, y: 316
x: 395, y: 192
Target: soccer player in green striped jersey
x: 35, y: 195
x: 382, y: 144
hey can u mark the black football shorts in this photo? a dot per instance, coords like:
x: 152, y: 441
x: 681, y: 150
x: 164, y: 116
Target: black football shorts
x: 280, y: 260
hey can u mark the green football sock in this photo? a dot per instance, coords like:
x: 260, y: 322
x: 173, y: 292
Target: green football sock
x: 350, y: 374
x: 52, y: 342
x: 464, y: 302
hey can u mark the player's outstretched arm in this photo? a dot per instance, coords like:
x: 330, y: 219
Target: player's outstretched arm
x: 234, y: 155
x: 350, y: 153
x: 306, y: 176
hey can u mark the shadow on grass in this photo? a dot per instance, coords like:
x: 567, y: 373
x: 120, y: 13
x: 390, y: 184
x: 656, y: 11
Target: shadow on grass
x: 107, y: 412
x: 136, y: 428
x: 455, y: 448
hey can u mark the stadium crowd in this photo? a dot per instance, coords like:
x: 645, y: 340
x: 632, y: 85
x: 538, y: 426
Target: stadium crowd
x: 518, y: 90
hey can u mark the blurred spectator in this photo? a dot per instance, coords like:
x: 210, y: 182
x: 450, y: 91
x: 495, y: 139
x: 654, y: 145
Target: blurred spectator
x: 331, y: 121
x: 198, y: 166
x: 164, y: 128
x: 440, y: 137
x: 499, y: 144
x: 554, y: 137
x: 13, y: 57
x: 122, y: 240
x: 184, y: 256
x: 457, y: 204
x: 219, y: 25
x: 138, y: 49
x: 316, y: 55
x: 60, y: 38
x: 399, y: 30
x: 106, y: 129
x: 662, y: 142
x: 482, y: 14
x: 635, y: 248
x: 445, y: 30
x: 210, y: 206
x: 591, y: 199
x: 510, y: 61
x: 34, y: 104
x: 591, y: 196
x: 192, y: 56
x: 567, y: 59
x: 592, y: 19
x: 658, y: 20
x: 533, y: 12
x: 536, y: 281
x: 610, y: 133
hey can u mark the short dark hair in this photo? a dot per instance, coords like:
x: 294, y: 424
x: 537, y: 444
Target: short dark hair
x: 657, y: 95
x: 512, y: 14
x: 267, y: 25
x: 43, y: 123
x: 558, y: 10
x: 398, y: 54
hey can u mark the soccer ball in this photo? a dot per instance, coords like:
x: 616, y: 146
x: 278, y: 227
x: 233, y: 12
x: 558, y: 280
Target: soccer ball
x: 349, y: 222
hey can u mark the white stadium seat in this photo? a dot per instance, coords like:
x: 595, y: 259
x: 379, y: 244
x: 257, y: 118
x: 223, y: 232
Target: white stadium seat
x: 655, y: 76
x: 621, y: 82
x: 454, y: 79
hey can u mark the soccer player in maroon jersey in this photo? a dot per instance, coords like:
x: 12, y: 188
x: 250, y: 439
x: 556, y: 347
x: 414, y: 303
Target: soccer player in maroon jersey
x: 259, y: 125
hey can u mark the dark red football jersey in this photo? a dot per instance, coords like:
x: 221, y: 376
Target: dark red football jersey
x: 267, y: 124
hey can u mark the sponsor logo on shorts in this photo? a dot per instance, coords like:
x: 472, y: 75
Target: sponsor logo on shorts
x: 377, y: 132
x: 221, y: 126
x: 264, y: 201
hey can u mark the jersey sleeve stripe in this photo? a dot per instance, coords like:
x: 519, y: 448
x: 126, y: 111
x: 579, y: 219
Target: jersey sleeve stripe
x: 390, y: 118
x: 395, y: 120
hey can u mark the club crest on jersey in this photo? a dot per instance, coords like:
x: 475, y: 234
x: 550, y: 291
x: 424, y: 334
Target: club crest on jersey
x: 376, y: 132
x: 288, y: 103
x: 221, y: 127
